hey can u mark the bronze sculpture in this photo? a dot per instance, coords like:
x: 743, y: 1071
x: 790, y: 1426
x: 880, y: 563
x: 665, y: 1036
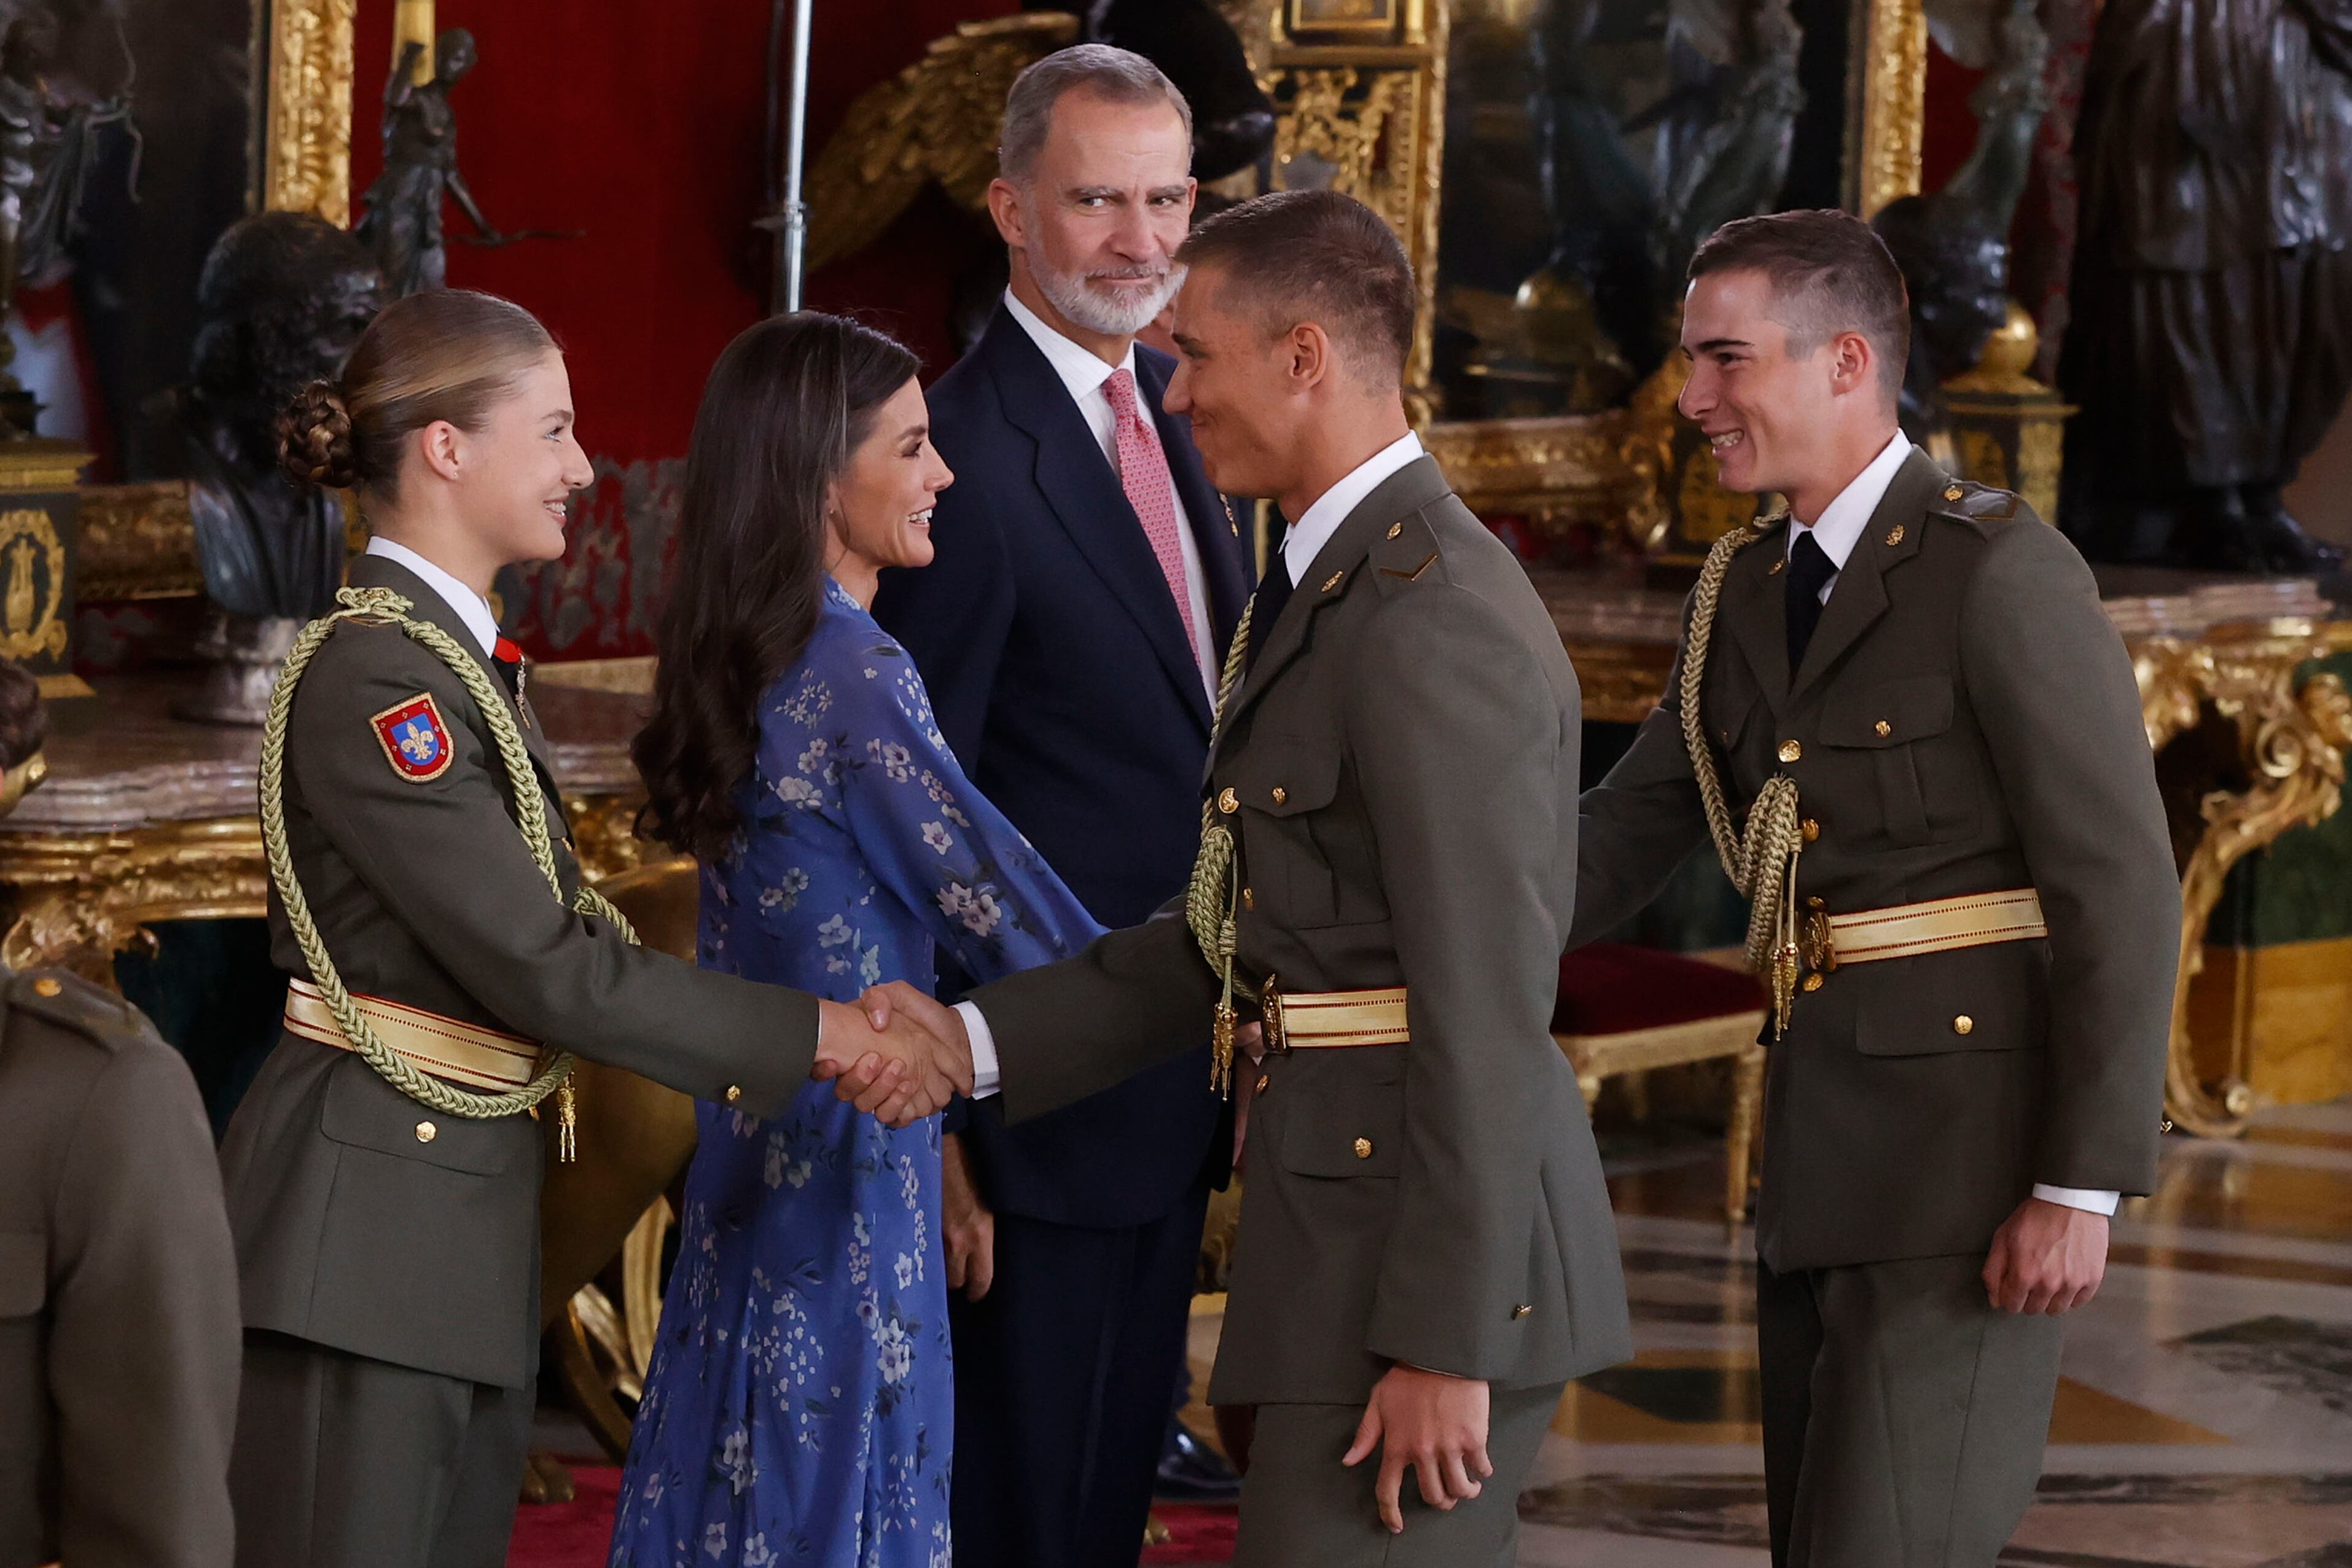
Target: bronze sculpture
x: 403, y: 223
x: 283, y: 299
x: 2211, y: 345
x: 1953, y: 246
x: 45, y: 146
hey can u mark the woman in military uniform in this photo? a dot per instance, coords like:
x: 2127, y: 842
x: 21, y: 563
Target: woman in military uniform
x: 382, y: 1178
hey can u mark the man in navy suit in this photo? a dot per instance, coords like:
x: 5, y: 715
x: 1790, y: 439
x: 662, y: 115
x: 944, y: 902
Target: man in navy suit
x: 1070, y: 629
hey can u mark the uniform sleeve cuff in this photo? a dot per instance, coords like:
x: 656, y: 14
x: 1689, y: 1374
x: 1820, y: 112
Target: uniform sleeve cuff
x: 985, y: 1077
x: 2091, y: 1200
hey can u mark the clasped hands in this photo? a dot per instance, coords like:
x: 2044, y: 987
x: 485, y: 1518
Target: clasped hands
x: 898, y: 1055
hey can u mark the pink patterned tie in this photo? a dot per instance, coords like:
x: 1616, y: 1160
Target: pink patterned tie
x: 1143, y: 474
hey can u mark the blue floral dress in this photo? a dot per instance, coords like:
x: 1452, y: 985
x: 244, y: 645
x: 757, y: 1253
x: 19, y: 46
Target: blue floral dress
x: 799, y: 1408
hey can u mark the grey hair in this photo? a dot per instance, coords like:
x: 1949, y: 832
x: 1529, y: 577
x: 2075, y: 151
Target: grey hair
x: 1115, y: 75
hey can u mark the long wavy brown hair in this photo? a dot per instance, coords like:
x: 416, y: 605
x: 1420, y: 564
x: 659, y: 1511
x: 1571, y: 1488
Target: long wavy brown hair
x: 786, y: 404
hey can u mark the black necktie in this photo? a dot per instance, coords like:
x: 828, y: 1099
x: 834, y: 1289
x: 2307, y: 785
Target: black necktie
x: 1809, y: 567
x: 1273, y: 594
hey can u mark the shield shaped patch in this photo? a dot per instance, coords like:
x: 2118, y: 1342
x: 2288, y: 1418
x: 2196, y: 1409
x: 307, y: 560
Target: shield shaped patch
x: 413, y: 738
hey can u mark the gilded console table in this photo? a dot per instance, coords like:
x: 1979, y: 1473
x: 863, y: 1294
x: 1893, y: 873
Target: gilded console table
x: 146, y: 818
x: 2251, y: 740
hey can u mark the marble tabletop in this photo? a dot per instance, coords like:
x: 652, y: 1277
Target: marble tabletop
x: 119, y: 760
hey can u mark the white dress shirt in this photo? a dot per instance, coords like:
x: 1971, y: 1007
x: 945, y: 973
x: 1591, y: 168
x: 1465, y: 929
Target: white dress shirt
x: 1837, y: 531
x: 1306, y: 536
x: 1321, y: 519
x: 1084, y: 373
x: 470, y: 606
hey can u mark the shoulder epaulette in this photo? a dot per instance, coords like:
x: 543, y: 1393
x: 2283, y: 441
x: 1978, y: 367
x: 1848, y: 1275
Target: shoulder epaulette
x: 1406, y: 552
x: 70, y: 1003
x: 1979, y: 504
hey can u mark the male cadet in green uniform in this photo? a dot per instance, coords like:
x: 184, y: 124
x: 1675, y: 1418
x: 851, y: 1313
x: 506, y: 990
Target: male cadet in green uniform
x: 118, y: 1288
x: 1914, y: 687
x: 1427, y: 1251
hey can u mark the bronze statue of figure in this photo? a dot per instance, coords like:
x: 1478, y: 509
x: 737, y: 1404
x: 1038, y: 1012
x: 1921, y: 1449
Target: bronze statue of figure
x: 2210, y: 344
x: 403, y: 221
x: 45, y: 157
x: 1953, y: 246
x: 283, y: 299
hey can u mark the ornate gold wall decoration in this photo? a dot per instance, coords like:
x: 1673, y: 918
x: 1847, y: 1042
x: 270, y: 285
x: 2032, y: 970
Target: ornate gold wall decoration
x: 2291, y: 733
x: 938, y: 119
x: 138, y: 541
x: 307, y: 147
x: 81, y: 899
x: 1883, y: 131
x: 32, y: 585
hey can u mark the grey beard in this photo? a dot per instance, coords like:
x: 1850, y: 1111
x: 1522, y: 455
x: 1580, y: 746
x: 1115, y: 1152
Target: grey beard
x: 1068, y: 292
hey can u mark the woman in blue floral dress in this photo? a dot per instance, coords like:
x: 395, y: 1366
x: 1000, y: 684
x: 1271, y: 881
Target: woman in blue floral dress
x: 799, y: 1407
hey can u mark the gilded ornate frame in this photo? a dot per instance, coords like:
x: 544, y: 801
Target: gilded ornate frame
x: 1609, y: 469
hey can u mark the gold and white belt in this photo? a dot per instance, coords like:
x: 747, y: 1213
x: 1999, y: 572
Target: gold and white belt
x: 445, y: 1047
x: 1938, y: 926
x: 1305, y: 1020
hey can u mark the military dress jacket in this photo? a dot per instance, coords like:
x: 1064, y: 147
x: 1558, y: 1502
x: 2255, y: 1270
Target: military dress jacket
x: 1965, y: 721
x: 1400, y: 768
x: 119, y: 1340
x: 365, y: 1220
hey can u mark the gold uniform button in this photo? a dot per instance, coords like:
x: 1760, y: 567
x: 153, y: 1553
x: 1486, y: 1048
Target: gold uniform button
x: 1953, y: 492
x: 1280, y: 794
x: 1363, y: 1148
x: 427, y: 1132
x: 1395, y: 529
x: 1262, y: 1079
x: 1522, y: 1309
x: 1812, y: 830
x: 46, y: 987
x: 734, y: 1094
x: 1813, y: 982
x: 1228, y: 803
x: 1964, y: 1025
x: 1249, y: 899
x: 1882, y: 727
x: 1791, y: 751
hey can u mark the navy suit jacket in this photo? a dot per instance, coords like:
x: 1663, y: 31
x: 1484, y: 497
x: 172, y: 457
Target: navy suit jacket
x: 1065, y: 682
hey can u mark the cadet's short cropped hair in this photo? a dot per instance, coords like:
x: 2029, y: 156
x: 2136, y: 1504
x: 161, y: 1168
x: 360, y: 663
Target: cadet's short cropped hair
x: 1114, y: 75
x: 1320, y: 257
x: 1830, y: 273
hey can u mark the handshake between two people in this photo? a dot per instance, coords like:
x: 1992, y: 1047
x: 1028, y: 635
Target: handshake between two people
x: 898, y: 1055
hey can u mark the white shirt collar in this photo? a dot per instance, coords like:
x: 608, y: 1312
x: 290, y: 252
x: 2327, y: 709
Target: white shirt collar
x: 1310, y: 533
x: 1081, y: 369
x: 470, y: 606
x: 1838, y: 527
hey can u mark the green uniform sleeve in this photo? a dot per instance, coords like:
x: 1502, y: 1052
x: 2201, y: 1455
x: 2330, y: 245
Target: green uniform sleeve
x: 1458, y: 749
x: 447, y: 861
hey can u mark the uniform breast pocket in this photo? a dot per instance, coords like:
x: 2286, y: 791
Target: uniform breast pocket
x: 24, y: 1272
x: 1278, y: 784
x: 1893, y: 724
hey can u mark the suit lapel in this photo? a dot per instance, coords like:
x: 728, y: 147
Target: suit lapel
x: 1859, y: 599
x: 1085, y: 499
x: 1755, y: 607
x: 1400, y: 495
x: 1216, y: 527
x: 425, y: 603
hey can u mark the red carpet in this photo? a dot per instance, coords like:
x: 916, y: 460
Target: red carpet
x: 574, y: 1534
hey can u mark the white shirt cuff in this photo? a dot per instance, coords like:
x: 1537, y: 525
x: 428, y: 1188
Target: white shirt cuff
x: 985, y: 1078
x: 2090, y: 1198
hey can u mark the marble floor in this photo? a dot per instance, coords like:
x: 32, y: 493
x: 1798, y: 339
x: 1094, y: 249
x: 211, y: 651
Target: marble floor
x: 2204, y: 1419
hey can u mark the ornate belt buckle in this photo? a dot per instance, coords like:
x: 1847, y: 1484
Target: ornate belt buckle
x: 1269, y: 996
x: 1820, y: 941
